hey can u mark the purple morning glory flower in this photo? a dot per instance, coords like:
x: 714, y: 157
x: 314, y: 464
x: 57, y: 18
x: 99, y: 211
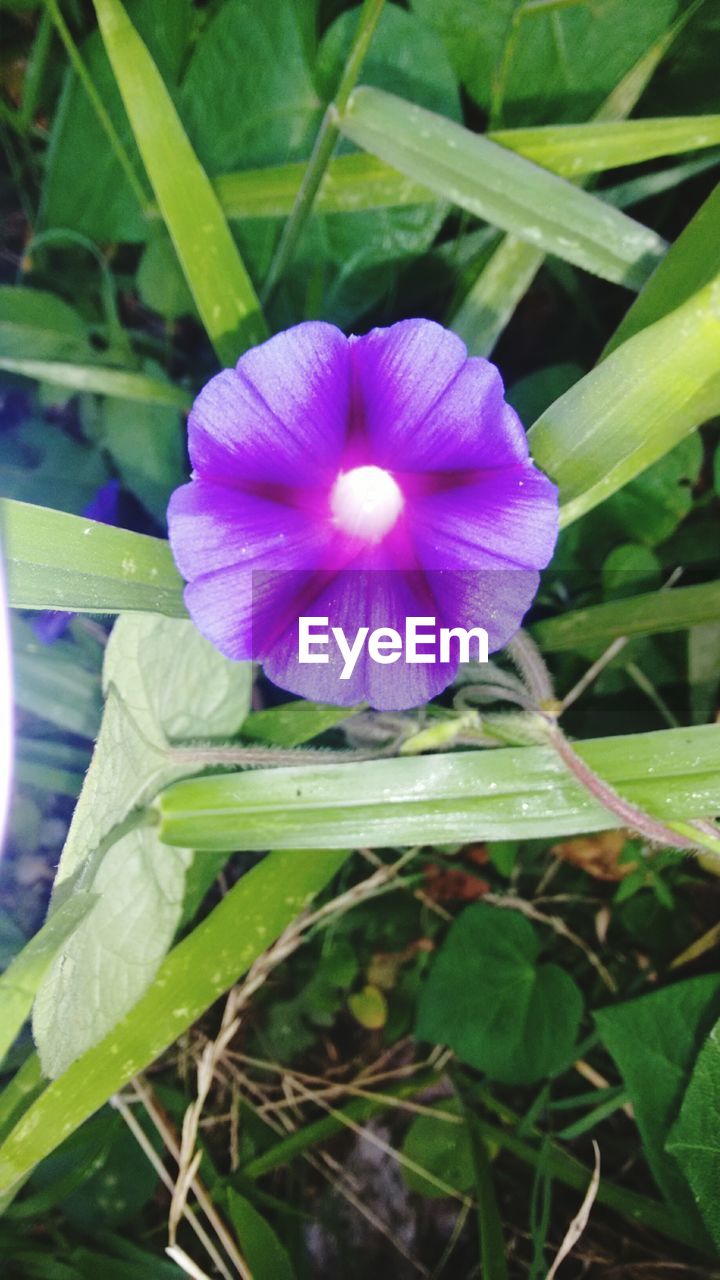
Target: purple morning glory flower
x: 363, y: 480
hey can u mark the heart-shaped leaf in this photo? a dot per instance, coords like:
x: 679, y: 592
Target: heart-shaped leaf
x: 489, y: 999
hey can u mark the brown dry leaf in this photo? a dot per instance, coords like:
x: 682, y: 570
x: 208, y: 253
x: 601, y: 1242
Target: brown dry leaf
x: 12, y: 76
x: 477, y: 854
x: 597, y: 855
x: 453, y: 886
x: 383, y: 969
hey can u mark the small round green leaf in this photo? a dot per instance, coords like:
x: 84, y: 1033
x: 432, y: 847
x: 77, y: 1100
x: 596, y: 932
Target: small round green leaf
x: 490, y: 1001
x: 369, y: 1007
x: 443, y: 1149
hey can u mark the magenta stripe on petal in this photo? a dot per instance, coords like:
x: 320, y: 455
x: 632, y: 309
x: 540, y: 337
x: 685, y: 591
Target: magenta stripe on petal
x: 280, y: 416
x: 506, y: 518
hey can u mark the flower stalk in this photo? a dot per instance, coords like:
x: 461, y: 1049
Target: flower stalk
x: 531, y: 665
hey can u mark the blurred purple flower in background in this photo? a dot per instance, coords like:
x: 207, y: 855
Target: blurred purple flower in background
x: 50, y: 625
x: 365, y: 479
x: 6, y: 706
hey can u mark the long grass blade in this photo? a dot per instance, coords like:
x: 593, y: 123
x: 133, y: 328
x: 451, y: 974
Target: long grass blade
x: 502, y: 188
x: 58, y: 561
x: 214, y: 270
x: 507, y: 794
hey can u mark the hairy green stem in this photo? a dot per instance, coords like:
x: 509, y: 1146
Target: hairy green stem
x: 250, y: 757
x: 526, y: 655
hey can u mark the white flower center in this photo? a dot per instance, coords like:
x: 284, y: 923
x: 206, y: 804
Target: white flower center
x: 366, y: 502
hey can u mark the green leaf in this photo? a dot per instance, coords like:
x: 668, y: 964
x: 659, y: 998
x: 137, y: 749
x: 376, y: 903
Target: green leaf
x: 85, y: 187
x: 342, y: 265
x: 576, y: 149
x: 51, y: 682
x: 369, y: 1007
x: 506, y: 794
x: 359, y: 181
x: 17, y: 1095
x: 113, y: 956
x: 503, y: 281
x: 549, y: 60
x: 215, y: 273
x: 289, y: 1028
x: 59, y: 561
x: 490, y: 1001
x: 493, y: 1250
x: 273, y: 116
x: 694, y: 1139
x: 32, y: 320
x: 287, y: 725
x: 21, y: 979
x: 703, y: 669
x: 160, y: 281
x: 120, y: 383
x: 628, y: 566
x: 654, y: 1042
x: 200, y: 875
x: 34, y: 457
x: 473, y: 37
x: 652, y: 613
x: 352, y: 183
x: 647, y: 185
x: 652, y: 506
x: 421, y: 74
x: 266, y: 1257
x: 634, y: 407
x: 147, y: 446
x: 191, y: 978
x: 692, y: 262
x: 443, y: 1149
x: 273, y: 110
x: 502, y: 188
x: 531, y: 395
x: 293, y: 723
x: 99, y: 1176
x: 164, y: 682
x: 354, y: 248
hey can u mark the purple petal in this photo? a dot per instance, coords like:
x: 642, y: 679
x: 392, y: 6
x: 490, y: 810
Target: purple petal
x: 427, y: 406
x: 496, y: 599
x: 212, y: 527
x: 505, y: 518
x: 368, y: 598
x: 281, y: 416
x: 401, y: 373
x: 241, y: 610
x: 470, y: 427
